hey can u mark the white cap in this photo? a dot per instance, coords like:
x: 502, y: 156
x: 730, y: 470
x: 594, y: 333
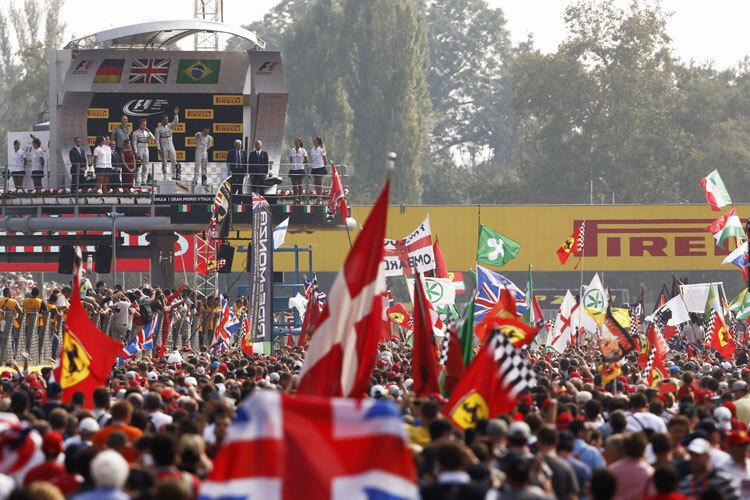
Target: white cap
x: 273, y: 377
x: 726, y: 365
x: 723, y: 416
x: 130, y: 375
x: 699, y: 446
x: 583, y: 397
x: 191, y: 381
x: 88, y: 424
x: 298, y: 364
x: 201, y: 370
x: 175, y: 357
x: 394, y: 391
x: 152, y: 376
x: 408, y: 383
x: 377, y: 391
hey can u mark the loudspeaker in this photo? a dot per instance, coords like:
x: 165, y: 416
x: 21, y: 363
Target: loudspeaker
x: 65, y: 259
x: 226, y: 252
x: 103, y: 259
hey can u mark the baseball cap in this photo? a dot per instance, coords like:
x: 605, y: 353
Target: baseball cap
x: 152, y: 376
x: 168, y: 393
x: 726, y: 365
x: 5, y: 376
x: 274, y: 377
x: 740, y: 385
x: 52, y: 442
x: 88, y: 424
x: 563, y: 420
x: 724, y: 416
x: 377, y: 391
x: 674, y: 369
x: 699, y: 446
x: 519, y: 430
x: 191, y: 381
x: 738, y: 438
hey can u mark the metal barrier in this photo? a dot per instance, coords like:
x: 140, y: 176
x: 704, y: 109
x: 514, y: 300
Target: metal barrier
x: 32, y: 332
x: 63, y: 189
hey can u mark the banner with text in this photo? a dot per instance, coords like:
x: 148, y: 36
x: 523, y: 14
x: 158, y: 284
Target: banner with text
x: 260, y: 302
x: 411, y: 254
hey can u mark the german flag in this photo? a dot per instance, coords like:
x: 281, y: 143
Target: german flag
x: 109, y: 71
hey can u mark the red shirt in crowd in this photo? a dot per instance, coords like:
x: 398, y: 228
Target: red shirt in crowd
x: 44, y: 472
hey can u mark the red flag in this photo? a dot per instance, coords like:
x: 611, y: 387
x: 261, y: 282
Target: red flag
x: 572, y: 245
x: 454, y: 363
x: 491, y: 385
x: 311, y: 319
x: 653, y: 355
x: 441, y: 270
x: 398, y: 315
x: 336, y: 196
x: 289, y: 338
x: 720, y: 338
x: 247, y: 342
x: 342, y: 352
x: 423, y: 358
x: 87, y: 354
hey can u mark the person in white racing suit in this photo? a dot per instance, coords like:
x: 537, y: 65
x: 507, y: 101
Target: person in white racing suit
x: 165, y: 144
x: 203, y: 142
x: 140, y: 140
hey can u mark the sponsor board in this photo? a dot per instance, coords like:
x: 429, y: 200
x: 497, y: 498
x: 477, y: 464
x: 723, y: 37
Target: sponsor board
x: 83, y: 67
x: 145, y: 107
x: 227, y: 128
x: 190, y: 141
x: 100, y: 113
x: 228, y: 100
x: 199, y: 114
x: 219, y: 155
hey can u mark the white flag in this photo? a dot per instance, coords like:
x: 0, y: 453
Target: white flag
x: 563, y: 327
x: 594, y: 301
x: 440, y: 291
x: 279, y: 233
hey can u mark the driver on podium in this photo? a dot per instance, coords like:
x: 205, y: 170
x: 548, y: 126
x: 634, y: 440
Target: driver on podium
x: 140, y: 143
x: 164, y: 141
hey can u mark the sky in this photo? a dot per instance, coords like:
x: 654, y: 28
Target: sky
x: 701, y: 30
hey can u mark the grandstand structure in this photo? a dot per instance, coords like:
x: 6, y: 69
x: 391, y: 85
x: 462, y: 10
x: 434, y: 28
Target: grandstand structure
x: 137, y: 71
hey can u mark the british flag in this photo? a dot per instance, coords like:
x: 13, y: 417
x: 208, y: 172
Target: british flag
x: 289, y: 447
x: 310, y: 284
x: 489, y: 284
x: 228, y: 324
x: 259, y: 201
x: 144, y: 341
x: 149, y: 71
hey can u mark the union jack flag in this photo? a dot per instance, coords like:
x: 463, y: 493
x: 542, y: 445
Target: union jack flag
x: 489, y: 284
x: 259, y: 201
x: 149, y: 71
x: 309, y: 284
x: 144, y: 341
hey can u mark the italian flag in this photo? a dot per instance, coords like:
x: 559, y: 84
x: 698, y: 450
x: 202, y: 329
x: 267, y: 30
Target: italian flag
x: 716, y: 194
x: 185, y: 208
x: 726, y: 226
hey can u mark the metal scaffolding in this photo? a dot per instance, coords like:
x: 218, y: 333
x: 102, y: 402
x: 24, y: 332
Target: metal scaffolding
x: 208, y: 10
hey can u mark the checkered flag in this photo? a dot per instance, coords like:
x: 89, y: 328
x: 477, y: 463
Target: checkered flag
x: 709, y: 327
x: 634, y: 312
x: 449, y: 330
x: 650, y: 361
x: 515, y: 370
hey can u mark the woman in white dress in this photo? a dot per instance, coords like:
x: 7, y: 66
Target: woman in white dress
x: 102, y: 163
x: 318, y: 170
x: 18, y: 168
x: 297, y: 160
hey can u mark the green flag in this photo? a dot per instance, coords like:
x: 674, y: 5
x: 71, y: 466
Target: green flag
x: 466, y: 333
x: 198, y: 71
x: 448, y: 312
x: 494, y: 248
x: 528, y: 315
x: 744, y: 310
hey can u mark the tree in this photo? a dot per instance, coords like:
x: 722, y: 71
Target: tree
x: 273, y: 26
x: 24, y: 86
x: 605, y: 105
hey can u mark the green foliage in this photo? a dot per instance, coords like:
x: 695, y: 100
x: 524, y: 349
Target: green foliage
x: 24, y: 84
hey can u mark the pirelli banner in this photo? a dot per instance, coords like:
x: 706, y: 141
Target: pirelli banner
x: 617, y: 237
x: 221, y: 113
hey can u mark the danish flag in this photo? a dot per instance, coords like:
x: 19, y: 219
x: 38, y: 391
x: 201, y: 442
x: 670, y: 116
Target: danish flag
x: 281, y: 447
x: 343, y: 350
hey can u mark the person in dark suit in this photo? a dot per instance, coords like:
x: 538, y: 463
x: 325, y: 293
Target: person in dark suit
x: 258, y: 160
x: 77, y: 165
x: 237, y: 163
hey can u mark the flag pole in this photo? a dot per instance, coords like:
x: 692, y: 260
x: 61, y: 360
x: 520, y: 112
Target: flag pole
x: 580, y: 289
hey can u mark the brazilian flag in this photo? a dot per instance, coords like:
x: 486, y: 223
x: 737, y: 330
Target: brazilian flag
x: 198, y: 71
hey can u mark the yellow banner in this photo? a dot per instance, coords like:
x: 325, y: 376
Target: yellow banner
x: 98, y: 113
x: 114, y: 125
x: 617, y: 237
x: 227, y: 128
x: 201, y: 114
x: 180, y: 155
x: 227, y: 100
x: 218, y: 155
